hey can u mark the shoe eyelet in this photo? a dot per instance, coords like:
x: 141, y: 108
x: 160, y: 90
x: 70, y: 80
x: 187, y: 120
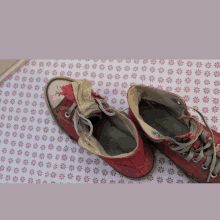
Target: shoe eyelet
x: 184, y: 154
x: 214, y: 175
x: 67, y: 115
x: 194, y: 160
x: 204, y: 167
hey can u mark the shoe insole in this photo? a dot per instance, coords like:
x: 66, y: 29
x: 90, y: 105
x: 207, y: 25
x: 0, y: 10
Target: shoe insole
x: 159, y: 118
x: 112, y: 139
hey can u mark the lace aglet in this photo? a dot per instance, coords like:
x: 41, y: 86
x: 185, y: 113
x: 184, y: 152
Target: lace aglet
x: 209, y: 177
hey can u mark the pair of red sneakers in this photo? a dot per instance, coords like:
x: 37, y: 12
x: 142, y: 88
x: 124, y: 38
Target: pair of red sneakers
x: 157, y: 120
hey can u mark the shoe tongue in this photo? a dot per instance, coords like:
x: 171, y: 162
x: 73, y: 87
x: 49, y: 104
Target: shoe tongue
x: 194, y: 127
x: 80, y: 92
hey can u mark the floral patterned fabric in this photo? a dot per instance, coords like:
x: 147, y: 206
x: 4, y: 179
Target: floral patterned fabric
x: 34, y: 150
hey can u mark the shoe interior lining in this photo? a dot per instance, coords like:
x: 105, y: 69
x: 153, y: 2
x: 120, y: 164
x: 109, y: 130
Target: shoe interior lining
x: 160, y: 118
x: 113, y: 139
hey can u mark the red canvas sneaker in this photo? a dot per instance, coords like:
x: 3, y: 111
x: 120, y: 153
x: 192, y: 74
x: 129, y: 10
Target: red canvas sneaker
x: 165, y: 120
x: 85, y: 116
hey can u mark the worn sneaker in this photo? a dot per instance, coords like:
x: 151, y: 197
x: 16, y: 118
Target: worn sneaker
x: 165, y: 120
x: 86, y: 117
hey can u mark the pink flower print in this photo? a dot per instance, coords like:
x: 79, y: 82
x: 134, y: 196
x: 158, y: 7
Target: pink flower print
x: 196, y: 89
x: 187, y: 80
x: 108, y: 84
x: 206, y: 82
x: 64, y: 157
x: 186, y: 89
x: 134, y: 75
x: 61, y: 176
x: 145, y: 61
x: 213, y: 127
x: 171, y: 62
x: 113, y: 101
x: 78, y: 178
x: 207, y: 73
x: 2, y: 159
x: 143, y: 77
x: 70, y: 66
x: 208, y: 65
x: 205, y: 110
x: 31, y: 172
x: 178, y: 81
x: 152, y: 69
x: 215, y: 109
x: 153, y: 61
x: 162, y: 61
x: 48, y: 165
x: 40, y: 164
x: 53, y: 130
x: 88, y: 161
x: 151, y: 78
x: 8, y: 169
x: 104, y: 172
x: 12, y: 151
x: 95, y: 180
x: 93, y: 75
x: 118, y: 68
x: 86, y: 179
x: 178, y: 89
x: 160, y: 79
x: 49, y: 156
x: 216, y: 91
x: 63, y: 166
x: 116, y: 84
x: 123, y: 93
x: 102, y: 67
x: 180, y: 62
x: 8, y: 125
x: 42, y: 147
x: 50, y: 147
x: 179, y: 71
x: 18, y: 160
x: 215, y: 101
x: 13, y: 143
x: 217, y: 83
x: 4, y: 109
x: 170, y: 71
x: 126, y: 68
x: 19, y: 152
x: 122, y: 101
x: 214, y: 119
x: 135, y: 69
x: 80, y: 160
x: 71, y: 167
x: 159, y: 179
x: 21, y: 135
x: 37, y: 137
x: 189, y: 63
x: 206, y: 90
x: 7, y: 178
x: 14, y: 134
x: 124, y: 85
x: 161, y: 70
x: 53, y: 174
x: 110, y: 67
x: 115, y: 91
x: 195, y: 99
x: 117, y: 76
x: 217, y: 65
x: 198, y: 72
x: 63, y: 65
x: 169, y: 80
x: 197, y: 81
x: 41, y: 156
x: 199, y: 64
x: 10, y: 160
x: 2, y: 168
x: 70, y: 176
x: 186, y: 98
x: 94, y: 66
x: 119, y: 60
x: 78, y: 65
x: 103, y: 181
x: 72, y: 158
x: 87, y: 169
x: 136, y: 61
x: 128, y: 60
x: 34, y: 103
x: 79, y: 168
